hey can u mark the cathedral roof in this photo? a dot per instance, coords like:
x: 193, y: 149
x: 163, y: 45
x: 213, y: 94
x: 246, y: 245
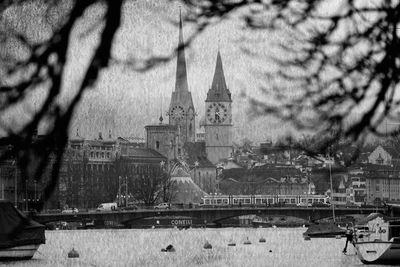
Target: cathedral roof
x: 148, y: 153
x: 181, y: 96
x: 181, y: 83
x: 180, y: 172
x: 219, y: 91
x: 186, y: 191
x: 197, y: 155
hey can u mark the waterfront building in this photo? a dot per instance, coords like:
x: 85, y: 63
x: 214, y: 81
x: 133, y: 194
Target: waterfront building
x: 382, y: 183
x: 266, y: 179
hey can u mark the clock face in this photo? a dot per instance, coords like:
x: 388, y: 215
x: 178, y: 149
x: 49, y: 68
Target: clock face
x: 177, y: 113
x: 217, y: 113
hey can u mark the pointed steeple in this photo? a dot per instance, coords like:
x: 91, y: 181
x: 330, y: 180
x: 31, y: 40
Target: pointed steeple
x: 181, y: 84
x: 219, y: 91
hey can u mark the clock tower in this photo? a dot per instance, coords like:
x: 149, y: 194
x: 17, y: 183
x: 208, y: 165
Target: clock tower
x: 218, y: 125
x: 181, y: 110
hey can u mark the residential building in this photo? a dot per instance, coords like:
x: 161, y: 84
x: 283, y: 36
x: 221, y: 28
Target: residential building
x: 382, y: 183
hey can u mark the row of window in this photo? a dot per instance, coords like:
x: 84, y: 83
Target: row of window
x: 101, y: 155
x: 109, y: 148
x: 93, y: 167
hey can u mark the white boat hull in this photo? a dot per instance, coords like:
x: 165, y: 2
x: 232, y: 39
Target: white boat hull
x: 379, y: 252
x: 25, y: 252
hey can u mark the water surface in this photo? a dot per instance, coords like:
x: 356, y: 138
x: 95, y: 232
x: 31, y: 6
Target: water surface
x: 137, y: 247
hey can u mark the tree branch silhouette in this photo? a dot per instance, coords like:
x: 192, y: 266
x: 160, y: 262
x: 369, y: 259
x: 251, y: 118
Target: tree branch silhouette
x: 337, y: 69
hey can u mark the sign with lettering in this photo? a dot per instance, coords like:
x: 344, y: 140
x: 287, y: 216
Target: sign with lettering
x: 180, y: 222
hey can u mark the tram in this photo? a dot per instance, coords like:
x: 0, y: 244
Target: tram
x: 262, y: 200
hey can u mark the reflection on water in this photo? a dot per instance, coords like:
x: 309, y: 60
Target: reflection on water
x: 135, y: 247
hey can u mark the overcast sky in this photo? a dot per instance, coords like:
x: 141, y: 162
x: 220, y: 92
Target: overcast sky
x: 125, y: 101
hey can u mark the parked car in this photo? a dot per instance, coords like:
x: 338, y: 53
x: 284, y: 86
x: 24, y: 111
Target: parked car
x: 70, y: 210
x: 107, y: 206
x: 162, y: 206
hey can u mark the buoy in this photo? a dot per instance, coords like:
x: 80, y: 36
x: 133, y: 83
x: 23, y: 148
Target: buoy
x: 169, y: 248
x: 307, y: 237
x: 207, y: 245
x: 247, y: 242
x: 73, y: 253
x: 262, y: 240
x: 270, y: 250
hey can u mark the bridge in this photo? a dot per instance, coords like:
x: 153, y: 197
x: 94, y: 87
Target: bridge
x: 206, y: 215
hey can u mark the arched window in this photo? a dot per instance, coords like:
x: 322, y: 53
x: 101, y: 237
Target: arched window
x: 157, y: 144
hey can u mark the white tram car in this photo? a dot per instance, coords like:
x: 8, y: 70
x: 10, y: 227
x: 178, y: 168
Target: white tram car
x: 262, y: 200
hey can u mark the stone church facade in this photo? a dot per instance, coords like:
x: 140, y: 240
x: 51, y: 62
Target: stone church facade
x: 177, y: 138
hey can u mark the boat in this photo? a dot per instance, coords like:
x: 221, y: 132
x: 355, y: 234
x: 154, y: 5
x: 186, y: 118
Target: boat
x: 20, y: 237
x: 381, y: 245
x: 328, y: 229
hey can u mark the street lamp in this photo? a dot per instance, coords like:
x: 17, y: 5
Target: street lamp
x: 35, y: 182
x: 16, y: 185
x: 330, y: 162
x: 126, y: 191
x: 196, y: 164
x: 26, y: 194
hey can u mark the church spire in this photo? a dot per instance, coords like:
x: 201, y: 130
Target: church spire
x: 181, y: 83
x: 219, y: 91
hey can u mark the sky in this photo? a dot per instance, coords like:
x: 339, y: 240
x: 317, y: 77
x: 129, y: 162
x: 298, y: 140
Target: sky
x: 124, y: 101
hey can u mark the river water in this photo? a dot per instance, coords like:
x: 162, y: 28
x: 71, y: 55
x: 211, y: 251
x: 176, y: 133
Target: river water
x: 142, y: 247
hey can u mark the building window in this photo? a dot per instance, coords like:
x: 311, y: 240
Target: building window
x: 157, y: 145
x: 108, y: 154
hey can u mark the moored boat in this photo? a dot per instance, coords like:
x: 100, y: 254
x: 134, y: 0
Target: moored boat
x: 25, y: 252
x: 324, y: 230
x: 382, y: 244
x: 20, y: 237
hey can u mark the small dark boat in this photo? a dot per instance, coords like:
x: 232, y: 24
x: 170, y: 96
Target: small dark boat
x: 20, y: 236
x: 324, y: 230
